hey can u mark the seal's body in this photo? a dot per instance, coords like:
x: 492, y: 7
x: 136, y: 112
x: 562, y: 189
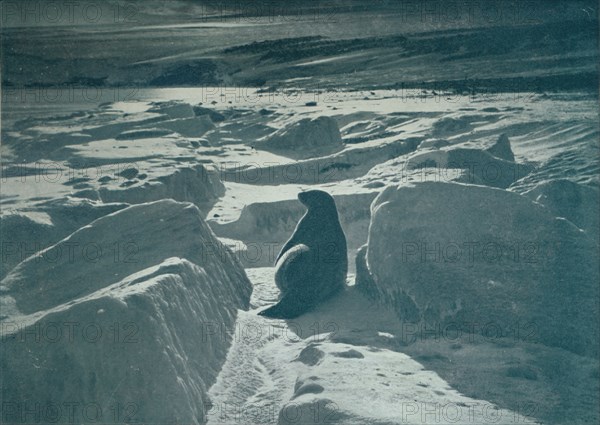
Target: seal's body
x: 313, y: 264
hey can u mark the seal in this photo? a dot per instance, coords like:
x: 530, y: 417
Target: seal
x: 313, y: 263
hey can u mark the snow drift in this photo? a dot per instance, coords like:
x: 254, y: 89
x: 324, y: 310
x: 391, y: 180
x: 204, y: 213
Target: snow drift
x: 494, y: 166
x: 194, y: 184
x: 131, y: 315
x: 482, y: 260
x: 26, y: 232
x: 305, y: 138
x: 349, y: 163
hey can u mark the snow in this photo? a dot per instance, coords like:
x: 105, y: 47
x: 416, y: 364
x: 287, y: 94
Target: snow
x: 305, y: 138
x: 25, y: 232
x: 448, y: 254
x: 190, y: 127
x: 141, y: 348
x: 143, y: 134
x: 483, y: 168
x: 113, y: 247
x: 173, y: 110
x: 329, y: 365
x: 186, y: 184
x: 112, y: 191
x: 149, y: 298
x: 575, y: 202
x: 350, y: 162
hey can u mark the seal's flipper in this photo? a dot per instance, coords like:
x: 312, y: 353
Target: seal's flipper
x: 289, y: 307
x: 295, y: 265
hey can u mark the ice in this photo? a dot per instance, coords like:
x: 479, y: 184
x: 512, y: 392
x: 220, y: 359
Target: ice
x: 304, y: 139
x: 26, y: 232
x: 494, y: 166
x: 119, y: 201
x: 576, y: 202
x: 467, y: 131
x: 462, y: 255
x: 351, y: 162
x: 186, y: 184
x: 146, y: 347
x: 173, y: 110
x: 115, y: 246
x: 143, y: 134
x: 133, y: 312
x: 189, y: 127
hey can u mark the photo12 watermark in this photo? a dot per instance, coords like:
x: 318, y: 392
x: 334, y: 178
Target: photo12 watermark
x: 68, y: 412
x: 71, y: 332
x: 67, y: 12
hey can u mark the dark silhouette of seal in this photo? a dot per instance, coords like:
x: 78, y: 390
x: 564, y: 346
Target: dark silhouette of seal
x: 313, y: 264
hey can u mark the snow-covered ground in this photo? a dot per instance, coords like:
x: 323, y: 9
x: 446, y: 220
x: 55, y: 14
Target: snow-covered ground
x: 336, y: 364
x: 147, y: 191
x: 353, y: 362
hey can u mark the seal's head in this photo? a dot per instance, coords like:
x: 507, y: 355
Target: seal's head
x: 316, y: 199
